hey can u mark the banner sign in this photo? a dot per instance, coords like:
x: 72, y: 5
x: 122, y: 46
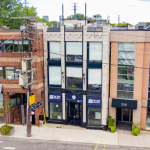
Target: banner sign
x: 75, y: 98
x: 54, y: 97
x: 31, y: 100
x: 94, y: 101
x: 36, y: 105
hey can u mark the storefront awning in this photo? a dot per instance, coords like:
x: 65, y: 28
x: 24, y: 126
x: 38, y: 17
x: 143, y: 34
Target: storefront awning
x: 75, y: 98
x: 121, y: 103
x: 94, y: 102
x: 0, y: 88
x: 54, y: 97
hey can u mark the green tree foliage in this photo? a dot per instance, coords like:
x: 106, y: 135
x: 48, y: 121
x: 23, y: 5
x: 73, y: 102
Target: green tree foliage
x: 124, y: 24
x: 14, y: 8
x: 78, y: 16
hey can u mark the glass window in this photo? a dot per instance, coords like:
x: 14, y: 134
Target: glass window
x: 74, y: 77
x: 55, y: 111
x: 55, y: 50
x: 126, y: 62
x: 8, y: 46
x: 95, y: 51
x: 25, y: 45
x: 12, y: 99
x: 94, y: 116
x: 54, y: 76
x: 74, y: 51
x: 9, y: 71
x: 148, y: 116
x: 1, y: 73
x: 17, y: 46
x: 16, y: 75
x: 19, y: 98
x: 1, y: 100
x: 94, y: 79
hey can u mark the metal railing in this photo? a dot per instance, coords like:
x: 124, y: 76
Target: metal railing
x: 53, y: 29
x: 96, y: 29
x: 70, y: 29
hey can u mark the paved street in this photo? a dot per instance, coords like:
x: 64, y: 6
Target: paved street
x: 30, y: 144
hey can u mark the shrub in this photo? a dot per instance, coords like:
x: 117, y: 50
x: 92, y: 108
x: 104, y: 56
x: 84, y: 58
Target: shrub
x: 135, y: 131
x: 5, y: 129
x: 112, y: 129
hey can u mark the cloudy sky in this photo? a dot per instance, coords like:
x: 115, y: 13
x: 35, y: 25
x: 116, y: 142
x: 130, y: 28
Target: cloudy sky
x: 132, y: 11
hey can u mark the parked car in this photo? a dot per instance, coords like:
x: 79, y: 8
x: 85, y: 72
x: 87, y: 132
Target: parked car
x: 96, y: 86
x: 128, y: 87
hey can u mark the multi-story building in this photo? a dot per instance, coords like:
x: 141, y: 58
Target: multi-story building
x: 129, y: 78
x: 12, y: 50
x: 46, y: 18
x: 76, y: 68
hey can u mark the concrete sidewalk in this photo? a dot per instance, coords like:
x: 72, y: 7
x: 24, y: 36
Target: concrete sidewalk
x: 81, y: 135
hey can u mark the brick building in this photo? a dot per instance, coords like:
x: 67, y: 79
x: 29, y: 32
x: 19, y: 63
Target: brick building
x: 129, y: 78
x: 11, y: 52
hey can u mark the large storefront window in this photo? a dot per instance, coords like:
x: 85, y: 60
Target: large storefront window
x: 94, y: 116
x: 74, y: 51
x: 148, y: 115
x: 55, y: 111
x: 55, y: 50
x: 54, y: 76
x: 94, y: 79
x: 95, y: 51
x: 126, y: 63
x: 74, y: 77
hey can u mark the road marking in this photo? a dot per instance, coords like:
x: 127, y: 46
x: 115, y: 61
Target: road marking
x: 9, y: 148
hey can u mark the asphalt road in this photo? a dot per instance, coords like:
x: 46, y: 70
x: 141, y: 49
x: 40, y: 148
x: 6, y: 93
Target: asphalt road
x: 8, y: 143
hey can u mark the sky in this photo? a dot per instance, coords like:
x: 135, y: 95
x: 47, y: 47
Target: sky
x: 131, y: 11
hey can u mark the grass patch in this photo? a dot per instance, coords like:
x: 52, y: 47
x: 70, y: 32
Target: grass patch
x: 5, y: 129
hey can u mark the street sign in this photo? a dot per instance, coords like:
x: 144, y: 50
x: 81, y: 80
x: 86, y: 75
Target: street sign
x: 36, y: 105
x: 31, y: 99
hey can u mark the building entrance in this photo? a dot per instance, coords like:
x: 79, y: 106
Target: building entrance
x: 74, y: 113
x: 124, y: 119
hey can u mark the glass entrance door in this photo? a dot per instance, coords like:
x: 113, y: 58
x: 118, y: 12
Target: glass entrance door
x: 74, y: 114
x: 126, y: 114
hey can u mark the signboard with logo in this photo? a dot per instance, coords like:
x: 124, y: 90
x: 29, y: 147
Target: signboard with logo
x: 31, y: 99
x: 54, y: 97
x: 36, y: 105
x: 121, y: 103
x: 94, y: 102
x: 75, y: 98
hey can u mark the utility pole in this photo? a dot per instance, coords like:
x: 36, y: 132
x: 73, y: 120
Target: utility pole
x: 29, y: 36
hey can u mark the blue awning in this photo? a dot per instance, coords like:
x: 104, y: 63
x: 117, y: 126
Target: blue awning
x: 54, y: 97
x: 75, y: 98
x: 94, y: 102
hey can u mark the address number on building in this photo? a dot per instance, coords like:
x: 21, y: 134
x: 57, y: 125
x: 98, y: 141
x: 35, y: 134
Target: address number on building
x: 36, y: 105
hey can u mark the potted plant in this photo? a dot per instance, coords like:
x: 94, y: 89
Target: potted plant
x: 73, y: 86
x: 59, y: 113
x: 54, y: 115
x: 135, y: 129
x: 5, y: 129
x: 111, y: 124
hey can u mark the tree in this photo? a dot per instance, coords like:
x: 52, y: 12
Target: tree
x: 124, y: 24
x: 78, y: 16
x: 14, y: 8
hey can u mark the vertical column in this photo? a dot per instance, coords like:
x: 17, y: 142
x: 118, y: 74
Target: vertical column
x: 63, y: 69
x: 84, y: 70
x: 5, y: 100
x: 45, y: 68
x: 105, y: 74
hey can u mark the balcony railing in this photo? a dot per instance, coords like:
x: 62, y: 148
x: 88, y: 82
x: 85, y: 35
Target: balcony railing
x: 53, y: 29
x: 94, y: 29
x: 75, y: 29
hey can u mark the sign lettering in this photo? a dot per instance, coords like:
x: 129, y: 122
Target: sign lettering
x: 123, y: 104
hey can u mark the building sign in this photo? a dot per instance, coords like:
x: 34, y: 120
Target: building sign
x: 94, y: 101
x: 31, y: 100
x: 54, y: 97
x: 22, y: 114
x: 75, y: 98
x: 121, y: 103
x: 36, y: 105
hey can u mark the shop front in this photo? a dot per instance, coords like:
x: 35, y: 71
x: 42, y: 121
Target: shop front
x: 55, y: 107
x: 93, y: 112
x: 74, y: 103
x: 124, y: 113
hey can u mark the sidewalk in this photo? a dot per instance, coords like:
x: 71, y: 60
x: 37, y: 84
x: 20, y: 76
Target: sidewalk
x: 81, y: 135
